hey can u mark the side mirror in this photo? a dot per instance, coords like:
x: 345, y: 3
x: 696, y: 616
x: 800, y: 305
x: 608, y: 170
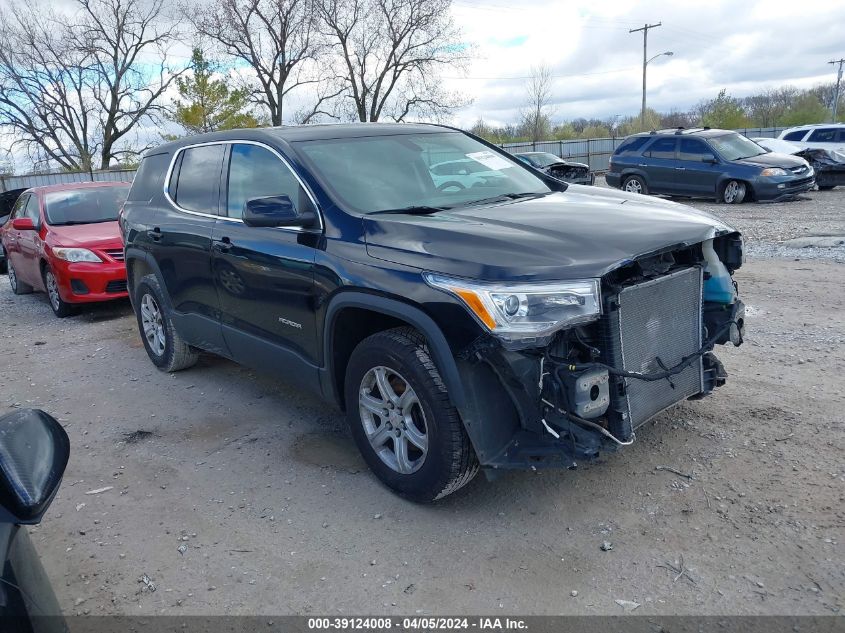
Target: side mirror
x: 34, y: 450
x: 23, y: 224
x: 709, y: 159
x: 276, y: 211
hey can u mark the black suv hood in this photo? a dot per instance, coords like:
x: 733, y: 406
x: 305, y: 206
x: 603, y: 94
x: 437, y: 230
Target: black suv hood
x: 772, y: 159
x: 583, y: 232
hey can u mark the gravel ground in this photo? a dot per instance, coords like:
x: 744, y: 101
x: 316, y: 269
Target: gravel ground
x: 237, y: 495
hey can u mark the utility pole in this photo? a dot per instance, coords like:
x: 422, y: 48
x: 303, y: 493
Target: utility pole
x: 644, y: 29
x: 838, y: 81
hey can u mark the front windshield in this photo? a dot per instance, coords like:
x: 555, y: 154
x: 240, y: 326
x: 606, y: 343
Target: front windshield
x: 84, y: 206
x: 439, y: 170
x: 735, y: 146
x: 544, y: 159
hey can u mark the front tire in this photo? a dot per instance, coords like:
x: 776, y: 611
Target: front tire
x: 164, y: 346
x: 61, y: 308
x: 635, y: 184
x: 18, y: 287
x: 402, y: 419
x: 734, y: 192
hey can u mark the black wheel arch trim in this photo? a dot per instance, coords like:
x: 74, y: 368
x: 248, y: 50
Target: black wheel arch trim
x: 150, y: 262
x: 439, y: 348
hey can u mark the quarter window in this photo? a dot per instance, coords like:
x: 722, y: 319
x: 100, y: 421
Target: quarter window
x: 256, y: 172
x: 631, y: 145
x: 198, y: 181
x: 662, y: 148
x: 798, y: 135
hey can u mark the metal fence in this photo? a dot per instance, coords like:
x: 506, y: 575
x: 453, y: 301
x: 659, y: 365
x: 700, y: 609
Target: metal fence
x: 596, y: 152
x: 7, y: 183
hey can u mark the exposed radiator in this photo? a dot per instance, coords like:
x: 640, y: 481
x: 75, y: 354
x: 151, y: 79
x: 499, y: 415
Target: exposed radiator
x: 657, y: 323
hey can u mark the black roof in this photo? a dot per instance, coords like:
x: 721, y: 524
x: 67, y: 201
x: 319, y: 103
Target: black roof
x: 293, y: 133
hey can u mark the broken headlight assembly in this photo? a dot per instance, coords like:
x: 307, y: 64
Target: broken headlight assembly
x: 524, y: 315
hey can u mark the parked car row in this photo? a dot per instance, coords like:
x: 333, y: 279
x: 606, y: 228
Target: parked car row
x: 829, y: 164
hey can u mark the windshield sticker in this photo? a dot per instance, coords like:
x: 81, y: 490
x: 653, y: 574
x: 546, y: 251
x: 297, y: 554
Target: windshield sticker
x: 490, y: 160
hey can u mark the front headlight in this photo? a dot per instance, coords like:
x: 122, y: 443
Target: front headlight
x: 76, y: 255
x: 525, y: 313
x: 773, y: 171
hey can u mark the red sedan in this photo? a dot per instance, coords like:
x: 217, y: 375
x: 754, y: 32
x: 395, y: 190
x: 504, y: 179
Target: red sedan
x: 64, y: 240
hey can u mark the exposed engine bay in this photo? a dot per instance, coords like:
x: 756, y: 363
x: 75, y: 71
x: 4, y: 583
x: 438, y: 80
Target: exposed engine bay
x: 593, y: 385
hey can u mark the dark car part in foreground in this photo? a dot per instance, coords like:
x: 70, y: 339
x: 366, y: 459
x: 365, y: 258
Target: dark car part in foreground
x: 708, y: 163
x: 516, y: 323
x: 565, y: 170
x: 829, y: 166
x: 34, y: 451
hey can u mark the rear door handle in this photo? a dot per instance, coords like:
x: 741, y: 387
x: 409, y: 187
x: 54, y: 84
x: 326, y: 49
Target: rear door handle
x: 155, y: 234
x: 223, y: 245
x: 680, y: 168
x: 642, y: 165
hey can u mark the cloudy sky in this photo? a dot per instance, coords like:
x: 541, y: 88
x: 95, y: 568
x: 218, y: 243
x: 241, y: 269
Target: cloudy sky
x: 742, y: 46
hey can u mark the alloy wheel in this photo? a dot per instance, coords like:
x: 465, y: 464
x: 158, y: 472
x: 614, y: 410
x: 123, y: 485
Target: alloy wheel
x: 53, y: 291
x: 13, y: 278
x: 634, y: 186
x: 153, y: 324
x: 393, y: 420
x: 731, y: 191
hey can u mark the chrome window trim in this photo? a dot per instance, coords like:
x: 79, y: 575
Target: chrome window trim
x: 290, y: 229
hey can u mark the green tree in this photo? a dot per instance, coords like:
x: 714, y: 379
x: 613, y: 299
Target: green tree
x: 723, y: 112
x: 805, y: 109
x: 206, y: 102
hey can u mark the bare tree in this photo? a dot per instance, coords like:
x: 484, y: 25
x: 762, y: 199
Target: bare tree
x: 389, y: 53
x: 73, y: 89
x: 127, y: 43
x: 536, y: 119
x: 44, y: 102
x: 278, y: 39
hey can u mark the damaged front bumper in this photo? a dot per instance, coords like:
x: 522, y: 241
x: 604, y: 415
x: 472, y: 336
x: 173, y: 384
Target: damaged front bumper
x: 592, y: 386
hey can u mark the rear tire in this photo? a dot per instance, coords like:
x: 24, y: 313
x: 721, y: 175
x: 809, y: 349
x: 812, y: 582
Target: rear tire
x: 733, y: 192
x: 61, y: 308
x: 18, y: 287
x: 635, y: 184
x: 826, y: 187
x: 415, y: 443
x: 164, y: 346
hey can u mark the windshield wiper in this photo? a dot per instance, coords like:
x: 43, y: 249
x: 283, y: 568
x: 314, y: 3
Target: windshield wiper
x: 414, y: 209
x: 507, y: 196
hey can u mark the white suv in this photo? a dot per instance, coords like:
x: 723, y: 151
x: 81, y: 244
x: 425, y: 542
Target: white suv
x: 829, y: 136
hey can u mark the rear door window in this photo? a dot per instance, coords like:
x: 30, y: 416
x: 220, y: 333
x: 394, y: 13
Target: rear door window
x: 823, y: 135
x: 662, y: 148
x: 198, y: 181
x: 32, y: 210
x: 20, y: 205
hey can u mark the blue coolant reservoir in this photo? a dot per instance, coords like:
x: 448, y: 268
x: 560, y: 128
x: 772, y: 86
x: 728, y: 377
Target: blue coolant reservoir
x: 719, y: 288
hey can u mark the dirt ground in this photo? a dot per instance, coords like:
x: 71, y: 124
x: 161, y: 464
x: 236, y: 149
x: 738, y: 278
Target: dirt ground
x: 235, y: 494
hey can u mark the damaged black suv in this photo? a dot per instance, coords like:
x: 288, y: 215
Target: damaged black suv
x: 514, y: 321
